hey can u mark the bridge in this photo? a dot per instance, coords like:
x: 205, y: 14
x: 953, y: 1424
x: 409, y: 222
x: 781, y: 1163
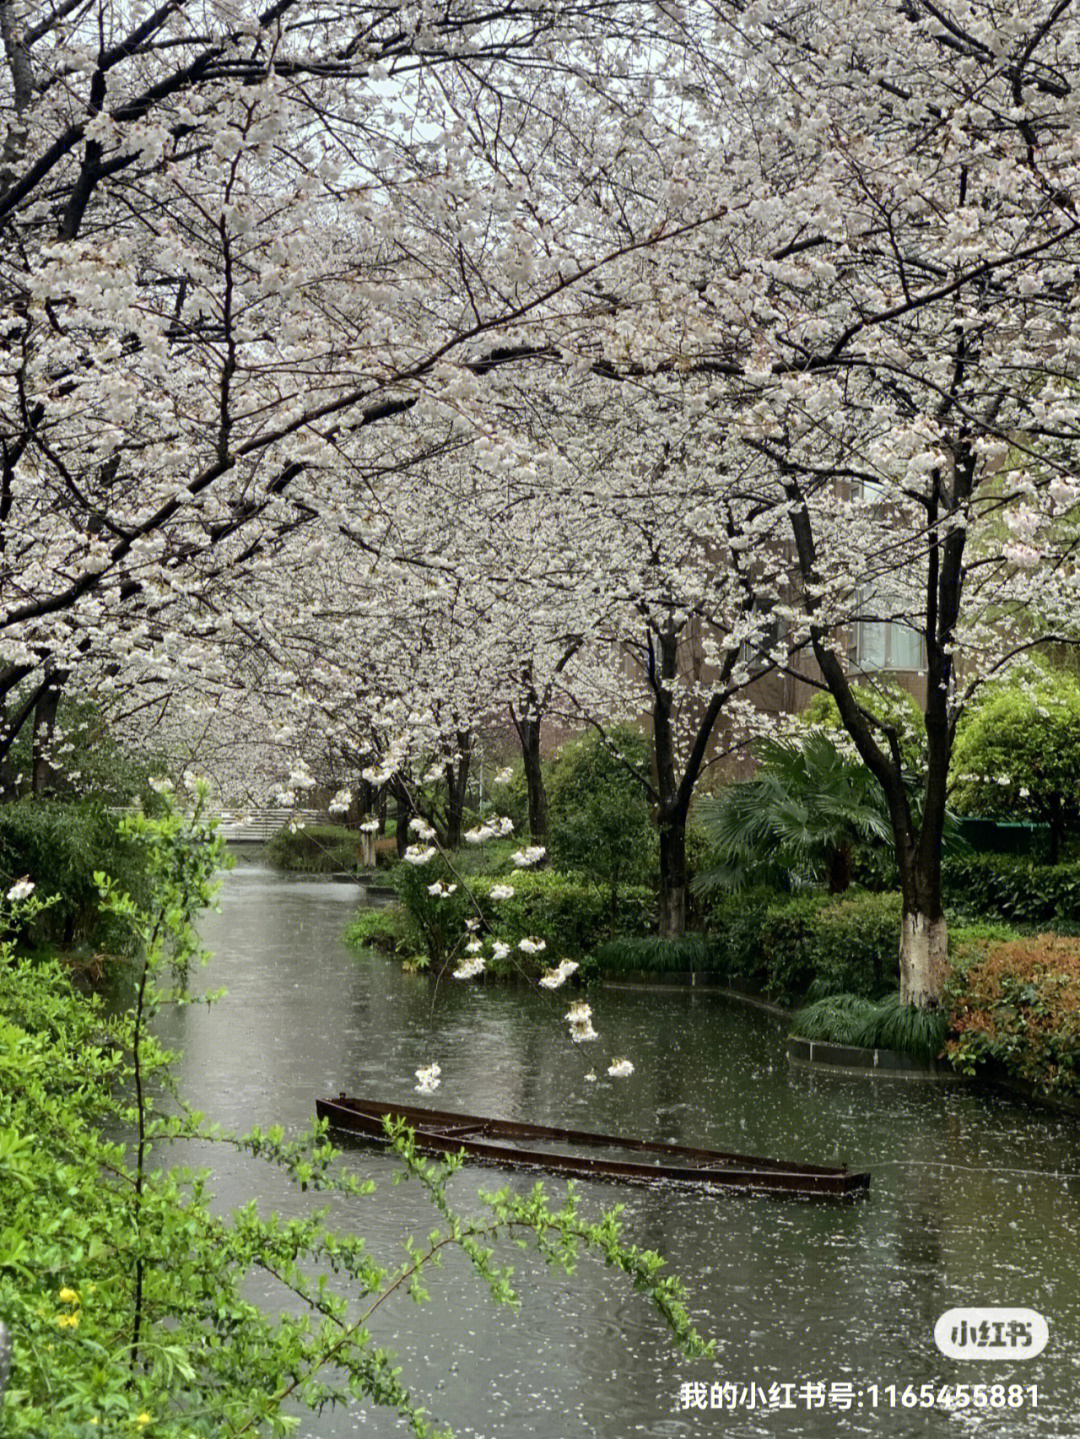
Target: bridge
x: 256, y: 826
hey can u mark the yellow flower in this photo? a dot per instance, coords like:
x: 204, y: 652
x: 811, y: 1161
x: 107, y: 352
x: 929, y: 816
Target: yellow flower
x: 69, y: 1296
x: 142, y: 1418
x: 68, y: 1321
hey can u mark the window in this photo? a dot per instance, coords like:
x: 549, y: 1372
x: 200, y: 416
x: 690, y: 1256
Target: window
x: 884, y: 644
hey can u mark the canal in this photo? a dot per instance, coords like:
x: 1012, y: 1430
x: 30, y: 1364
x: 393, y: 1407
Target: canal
x: 974, y: 1200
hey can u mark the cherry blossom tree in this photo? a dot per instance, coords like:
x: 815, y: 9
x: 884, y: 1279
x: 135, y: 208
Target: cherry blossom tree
x: 237, y: 241
x: 837, y: 242
x: 884, y: 318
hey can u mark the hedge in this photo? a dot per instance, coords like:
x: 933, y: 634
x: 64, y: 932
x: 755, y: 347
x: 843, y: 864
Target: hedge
x: 60, y: 844
x: 376, y: 929
x: 570, y: 914
x: 1016, y: 1008
x: 1013, y: 888
x: 829, y: 943
x: 315, y: 849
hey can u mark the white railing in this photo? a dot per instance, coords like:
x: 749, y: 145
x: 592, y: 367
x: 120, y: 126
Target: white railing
x: 255, y: 826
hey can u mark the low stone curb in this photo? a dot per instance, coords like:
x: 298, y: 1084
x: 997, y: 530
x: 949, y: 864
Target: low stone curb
x: 867, y: 1063
x: 697, y: 980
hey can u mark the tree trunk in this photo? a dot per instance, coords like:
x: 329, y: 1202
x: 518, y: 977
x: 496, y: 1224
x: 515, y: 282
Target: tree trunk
x: 924, y: 934
x: 457, y: 779
x: 534, y: 780
x: 528, y: 733
x: 917, y: 839
x: 839, y: 869
x: 404, y: 814
x: 673, y: 876
x: 924, y: 959
x: 360, y: 805
x: 44, y: 728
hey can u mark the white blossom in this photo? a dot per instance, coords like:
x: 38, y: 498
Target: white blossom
x: 470, y: 968
x: 415, y: 855
x: 502, y: 891
x: 557, y: 977
x: 620, y: 1069
x: 428, y: 1079
x: 579, y: 1018
x: 531, y: 855
x: 21, y: 889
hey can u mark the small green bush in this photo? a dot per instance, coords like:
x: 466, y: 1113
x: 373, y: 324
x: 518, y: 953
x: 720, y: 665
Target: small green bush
x: 376, y: 929
x: 571, y: 915
x: 1017, y: 1009
x: 434, y: 924
x: 598, y: 814
x: 735, y: 922
x: 1013, y: 888
x: 315, y: 849
x: 855, y: 946
x: 60, y: 844
x: 493, y: 857
x: 794, y: 944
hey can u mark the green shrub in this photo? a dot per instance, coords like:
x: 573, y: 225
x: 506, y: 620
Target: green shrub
x: 624, y: 955
x: 493, y: 857
x: 60, y: 844
x: 735, y: 921
x: 855, y: 946
x: 1013, y: 888
x: 315, y: 849
x: 820, y: 943
x: 1018, y: 1008
x: 786, y: 941
x: 376, y: 929
x: 434, y: 924
x: 571, y: 915
x: 598, y: 813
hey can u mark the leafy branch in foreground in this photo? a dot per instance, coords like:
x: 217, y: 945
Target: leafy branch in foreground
x: 126, y: 1297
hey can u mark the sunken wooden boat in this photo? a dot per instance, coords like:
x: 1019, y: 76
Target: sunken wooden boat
x: 517, y: 1145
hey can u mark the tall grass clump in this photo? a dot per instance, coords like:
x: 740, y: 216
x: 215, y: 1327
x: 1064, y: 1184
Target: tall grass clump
x: 885, y: 1024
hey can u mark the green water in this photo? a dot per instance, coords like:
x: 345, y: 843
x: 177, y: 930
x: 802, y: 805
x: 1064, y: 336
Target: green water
x: 974, y: 1200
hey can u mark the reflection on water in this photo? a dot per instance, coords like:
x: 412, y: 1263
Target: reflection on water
x: 974, y: 1200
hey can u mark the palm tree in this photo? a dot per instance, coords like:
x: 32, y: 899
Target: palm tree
x: 798, y: 820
